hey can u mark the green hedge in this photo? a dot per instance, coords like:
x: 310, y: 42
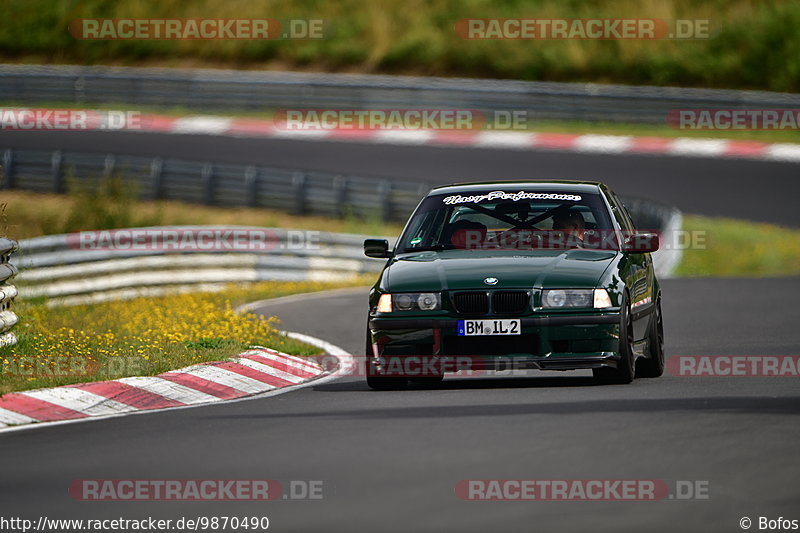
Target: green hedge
x: 757, y: 45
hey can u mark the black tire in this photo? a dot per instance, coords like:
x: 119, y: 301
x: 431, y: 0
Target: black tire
x: 653, y: 365
x: 381, y: 382
x: 626, y: 367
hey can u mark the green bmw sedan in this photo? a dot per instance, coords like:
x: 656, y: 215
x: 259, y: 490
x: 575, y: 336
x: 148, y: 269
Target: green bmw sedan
x: 515, y: 275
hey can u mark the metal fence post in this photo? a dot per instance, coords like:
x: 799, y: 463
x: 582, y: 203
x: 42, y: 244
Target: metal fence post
x: 80, y: 89
x: 8, y: 169
x: 251, y: 186
x: 385, y: 199
x: 57, y: 172
x: 108, y: 165
x: 340, y: 194
x: 207, y: 175
x: 155, y: 178
x: 299, y: 190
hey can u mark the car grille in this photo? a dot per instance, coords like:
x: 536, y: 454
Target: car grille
x: 503, y: 302
x: 510, y: 301
x: 471, y: 303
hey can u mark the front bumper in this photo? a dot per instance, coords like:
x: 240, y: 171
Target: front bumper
x: 551, y: 342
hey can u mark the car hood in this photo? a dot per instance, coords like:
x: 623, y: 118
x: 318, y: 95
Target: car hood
x: 467, y: 269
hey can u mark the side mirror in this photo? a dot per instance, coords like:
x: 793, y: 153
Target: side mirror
x: 378, y: 248
x: 641, y: 242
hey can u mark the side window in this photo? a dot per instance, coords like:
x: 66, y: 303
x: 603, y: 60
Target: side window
x: 424, y: 231
x: 626, y: 215
x: 619, y: 212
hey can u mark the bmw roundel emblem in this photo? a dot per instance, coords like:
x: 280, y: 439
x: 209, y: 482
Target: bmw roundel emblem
x: 490, y: 281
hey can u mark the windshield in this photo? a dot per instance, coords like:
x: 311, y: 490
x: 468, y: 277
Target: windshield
x: 510, y: 219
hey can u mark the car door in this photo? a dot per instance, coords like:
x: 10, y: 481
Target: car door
x: 639, y: 276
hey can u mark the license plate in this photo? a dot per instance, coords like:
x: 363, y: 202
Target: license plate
x: 469, y: 328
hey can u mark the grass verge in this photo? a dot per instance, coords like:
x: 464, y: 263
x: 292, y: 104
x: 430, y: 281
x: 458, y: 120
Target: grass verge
x: 144, y: 336
x: 740, y: 248
x: 30, y: 214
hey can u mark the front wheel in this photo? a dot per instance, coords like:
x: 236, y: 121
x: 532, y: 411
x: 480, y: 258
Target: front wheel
x: 626, y: 368
x: 653, y: 365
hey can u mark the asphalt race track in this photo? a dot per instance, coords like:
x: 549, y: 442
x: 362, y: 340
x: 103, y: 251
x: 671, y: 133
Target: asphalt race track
x: 752, y: 190
x: 389, y: 461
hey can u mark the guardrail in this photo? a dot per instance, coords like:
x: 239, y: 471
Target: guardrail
x: 56, y: 267
x: 7, y: 292
x: 301, y: 192
x: 298, y: 191
x: 232, y: 90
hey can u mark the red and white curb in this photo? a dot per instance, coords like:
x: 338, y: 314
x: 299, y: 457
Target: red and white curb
x: 517, y: 140
x: 258, y: 372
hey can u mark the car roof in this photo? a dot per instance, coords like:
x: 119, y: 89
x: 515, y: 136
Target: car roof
x: 533, y: 185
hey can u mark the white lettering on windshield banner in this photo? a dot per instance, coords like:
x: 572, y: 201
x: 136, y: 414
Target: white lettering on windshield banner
x: 515, y: 196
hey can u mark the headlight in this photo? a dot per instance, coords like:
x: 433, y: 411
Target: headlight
x: 409, y: 301
x: 560, y: 298
x: 403, y: 302
x: 564, y: 298
x: 428, y: 301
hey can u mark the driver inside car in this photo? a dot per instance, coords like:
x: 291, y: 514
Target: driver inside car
x: 466, y: 234
x: 570, y: 227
